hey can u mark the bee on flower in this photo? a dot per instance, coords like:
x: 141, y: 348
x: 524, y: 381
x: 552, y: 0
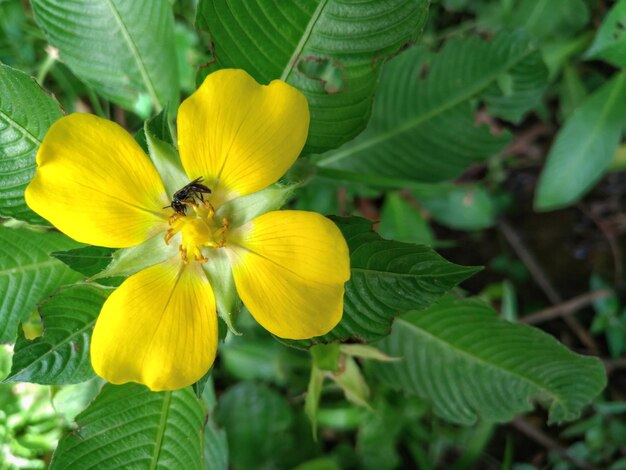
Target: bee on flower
x: 235, y: 139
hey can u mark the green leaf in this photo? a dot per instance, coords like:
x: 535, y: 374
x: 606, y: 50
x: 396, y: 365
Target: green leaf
x: 584, y: 147
x: 71, y: 400
x: 17, y: 43
x: 124, y: 50
x: 187, y: 53
x: 565, y: 52
x: 61, y: 355
x: 257, y: 421
x: 377, y: 438
x: 472, y: 365
x: 330, y: 50
x: 26, y: 113
x: 262, y: 359
x: 610, y: 42
x: 88, y: 260
x: 550, y: 18
x: 466, y: 207
x: 423, y: 127
x: 387, y: 278
x: 28, y: 274
x: 572, y: 92
x: 215, y: 447
x: 129, y: 424
x: 399, y: 220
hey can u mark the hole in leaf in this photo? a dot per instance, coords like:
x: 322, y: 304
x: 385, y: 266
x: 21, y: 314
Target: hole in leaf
x: 330, y: 73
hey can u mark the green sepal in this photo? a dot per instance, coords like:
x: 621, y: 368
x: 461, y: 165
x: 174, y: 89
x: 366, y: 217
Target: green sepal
x: 240, y: 210
x: 220, y: 277
x: 163, y: 153
x: 128, y: 261
x: 326, y: 356
x: 350, y: 379
x: 159, y: 126
x: 313, y: 395
x: 365, y: 351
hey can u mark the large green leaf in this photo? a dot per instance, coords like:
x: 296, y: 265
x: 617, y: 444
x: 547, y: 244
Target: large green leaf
x: 257, y: 422
x: 26, y: 112
x: 423, y: 127
x: 124, y: 50
x: 28, y: 274
x: 472, y: 365
x: 387, y: 278
x: 129, y: 426
x: 610, y: 42
x: 331, y: 50
x: 61, y: 355
x: 584, y: 147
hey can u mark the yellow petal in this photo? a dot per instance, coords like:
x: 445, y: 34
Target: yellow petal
x: 159, y: 328
x: 95, y: 184
x: 289, y: 269
x: 239, y: 135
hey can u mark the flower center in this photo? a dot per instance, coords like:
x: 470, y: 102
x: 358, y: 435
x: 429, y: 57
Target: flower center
x: 198, y: 230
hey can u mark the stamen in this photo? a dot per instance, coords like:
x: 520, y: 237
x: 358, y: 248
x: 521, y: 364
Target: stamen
x: 174, y: 217
x: 200, y: 258
x: 208, y: 205
x: 183, y: 254
x: 168, y: 236
x: 222, y: 233
x: 198, y: 231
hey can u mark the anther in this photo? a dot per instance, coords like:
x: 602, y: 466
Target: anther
x: 209, y: 206
x: 174, y: 217
x: 201, y: 258
x: 183, y: 254
x: 170, y: 233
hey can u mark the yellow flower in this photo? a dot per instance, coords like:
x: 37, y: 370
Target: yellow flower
x: 159, y: 328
